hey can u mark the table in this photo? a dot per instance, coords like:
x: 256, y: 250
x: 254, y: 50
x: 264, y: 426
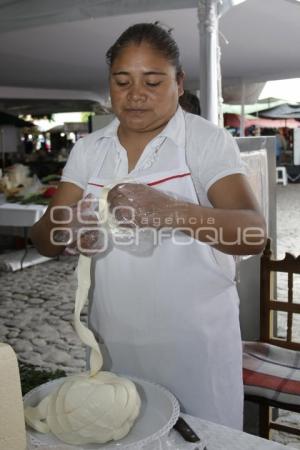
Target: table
x: 213, y: 437
x: 218, y: 437
x: 17, y: 215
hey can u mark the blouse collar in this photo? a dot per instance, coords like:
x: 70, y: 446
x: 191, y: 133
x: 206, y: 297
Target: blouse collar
x: 174, y: 130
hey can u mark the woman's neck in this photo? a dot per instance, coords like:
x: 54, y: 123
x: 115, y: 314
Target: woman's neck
x: 137, y: 141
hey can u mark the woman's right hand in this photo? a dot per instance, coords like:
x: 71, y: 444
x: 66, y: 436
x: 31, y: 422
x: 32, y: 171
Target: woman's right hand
x: 78, y: 228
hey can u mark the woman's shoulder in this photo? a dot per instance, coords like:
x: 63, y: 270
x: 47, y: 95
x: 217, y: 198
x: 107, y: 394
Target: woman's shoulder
x: 198, y: 125
x: 203, y: 136
x: 93, y: 140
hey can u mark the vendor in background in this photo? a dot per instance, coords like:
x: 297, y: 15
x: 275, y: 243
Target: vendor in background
x: 281, y: 146
x: 172, y: 315
x: 190, y: 103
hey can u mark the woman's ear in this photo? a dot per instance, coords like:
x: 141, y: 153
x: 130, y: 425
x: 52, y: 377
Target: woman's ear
x: 180, y: 82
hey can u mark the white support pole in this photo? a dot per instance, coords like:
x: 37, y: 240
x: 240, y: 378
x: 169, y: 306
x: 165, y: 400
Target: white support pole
x: 209, y: 59
x: 220, y: 95
x: 242, y: 116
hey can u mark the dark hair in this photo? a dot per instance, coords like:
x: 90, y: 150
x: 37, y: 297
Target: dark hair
x: 190, y: 103
x: 154, y: 35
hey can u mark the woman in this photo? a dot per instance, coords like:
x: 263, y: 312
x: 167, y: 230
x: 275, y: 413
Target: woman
x: 170, y: 316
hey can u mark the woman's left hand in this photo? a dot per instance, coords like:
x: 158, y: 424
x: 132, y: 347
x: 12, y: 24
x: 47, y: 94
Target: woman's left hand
x: 141, y: 205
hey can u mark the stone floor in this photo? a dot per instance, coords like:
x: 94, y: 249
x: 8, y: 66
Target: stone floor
x: 288, y: 219
x: 36, y: 315
x: 36, y: 304
x: 288, y: 230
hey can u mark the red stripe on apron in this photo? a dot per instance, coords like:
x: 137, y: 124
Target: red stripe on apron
x: 153, y: 183
x: 94, y: 184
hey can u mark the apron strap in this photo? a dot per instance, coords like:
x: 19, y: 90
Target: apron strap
x: 191, y: 160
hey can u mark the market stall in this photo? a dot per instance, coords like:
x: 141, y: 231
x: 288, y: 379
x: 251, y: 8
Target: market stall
x: 286, y: 113
x: 23, y: 201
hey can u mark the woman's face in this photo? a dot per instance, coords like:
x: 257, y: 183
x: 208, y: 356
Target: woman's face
x: 144, y: 89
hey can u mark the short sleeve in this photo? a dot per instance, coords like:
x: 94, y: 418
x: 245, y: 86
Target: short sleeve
x: 75, y: 170
x: 220, y: 158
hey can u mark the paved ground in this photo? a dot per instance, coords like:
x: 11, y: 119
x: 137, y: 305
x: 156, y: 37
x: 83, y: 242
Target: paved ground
x: 288, y: 219
x: 36, y: 304
x: 288, y: 225
x: 36, y: 315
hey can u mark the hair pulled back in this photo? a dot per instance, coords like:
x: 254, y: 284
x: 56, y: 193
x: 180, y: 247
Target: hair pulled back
x: 154, y: 35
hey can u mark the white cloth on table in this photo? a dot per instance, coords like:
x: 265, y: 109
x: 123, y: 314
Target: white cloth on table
x: 216, y: 437
x: 17, y: 215
x: 213, y: 436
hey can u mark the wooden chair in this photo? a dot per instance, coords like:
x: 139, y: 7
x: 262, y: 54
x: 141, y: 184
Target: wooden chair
x: 271, y: 366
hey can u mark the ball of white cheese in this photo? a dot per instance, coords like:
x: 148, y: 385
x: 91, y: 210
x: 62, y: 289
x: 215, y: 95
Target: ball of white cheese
x: 87, y: 409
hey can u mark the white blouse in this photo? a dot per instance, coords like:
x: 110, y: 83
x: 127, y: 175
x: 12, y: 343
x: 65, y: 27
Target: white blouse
x: 217, y: 153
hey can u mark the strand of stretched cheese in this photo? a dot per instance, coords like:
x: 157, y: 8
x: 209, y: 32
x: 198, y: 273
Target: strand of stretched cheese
x: 93, y: 407
x: 86, y: 335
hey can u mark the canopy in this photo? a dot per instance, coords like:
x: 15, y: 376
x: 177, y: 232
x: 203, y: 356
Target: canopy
x: 60, y: 44
x: 70, y: 127
x: 285, y: 111
x: 233, y: 120
x: 8, y: 119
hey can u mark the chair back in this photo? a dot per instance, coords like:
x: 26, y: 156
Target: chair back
x: 271, y: 307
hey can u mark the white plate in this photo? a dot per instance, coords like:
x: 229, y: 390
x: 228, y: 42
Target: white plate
x: 159, y: 412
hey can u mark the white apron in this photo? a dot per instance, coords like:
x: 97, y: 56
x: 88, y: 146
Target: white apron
x: 172, y: 317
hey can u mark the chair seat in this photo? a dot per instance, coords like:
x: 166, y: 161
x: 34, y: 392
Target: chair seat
x: 271, y: 372
x: 281, y: 175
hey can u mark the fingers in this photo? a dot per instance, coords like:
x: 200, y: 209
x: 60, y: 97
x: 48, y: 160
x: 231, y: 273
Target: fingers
x: 88, y: 243
x: 123, y: 189
x: 115, y: 195
x: 121, y: 198
x: 61, y: 236
x: 92, y: 241
x: 87, y: 207
x: 78, y: 228
x: 124, y: 216
x: 72, y: 249
x: 86, y: 218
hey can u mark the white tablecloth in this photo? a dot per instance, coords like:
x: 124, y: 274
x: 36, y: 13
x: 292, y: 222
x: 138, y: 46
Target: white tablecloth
x: 218, y: 437
x: 16, y: 215
x: 213, y: 437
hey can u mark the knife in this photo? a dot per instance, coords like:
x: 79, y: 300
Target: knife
x: 186, y: 431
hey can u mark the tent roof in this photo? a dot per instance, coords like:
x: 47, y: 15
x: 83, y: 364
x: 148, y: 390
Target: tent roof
x: 233, y: 120
x: 8, y: 119
x: 284, y: 111
x: 251, y: 109
x: 70, y: 127
x: 61, y: 44
x: 44, y: 107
